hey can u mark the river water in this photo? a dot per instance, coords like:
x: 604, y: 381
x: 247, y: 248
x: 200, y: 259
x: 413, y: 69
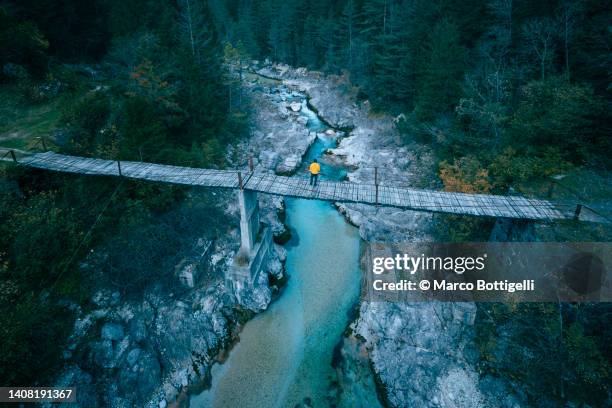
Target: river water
x: 284, y: 356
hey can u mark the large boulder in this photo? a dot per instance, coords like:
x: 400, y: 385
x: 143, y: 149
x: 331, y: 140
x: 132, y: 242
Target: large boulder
x: 112, y: 331
x: 295, y: 106
x: 289, y: 164
x: 132, y: 357
x: 254, y: 296
x: 269, y: 159
x: 138, y: 329
x: 102, y: 352
x: 140, y: 377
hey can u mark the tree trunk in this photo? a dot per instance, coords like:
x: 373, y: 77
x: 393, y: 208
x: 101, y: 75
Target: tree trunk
x: 385, y: 18
x: 230, y: 98
x: 190, y: 27
x: 544, y: 56
x: 350, y: 36
x: 561, y: 358
x: 566, y: 40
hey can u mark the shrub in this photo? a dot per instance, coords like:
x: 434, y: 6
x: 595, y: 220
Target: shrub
x: 465, y: 175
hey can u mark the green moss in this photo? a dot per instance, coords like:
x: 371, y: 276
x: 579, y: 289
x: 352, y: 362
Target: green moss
x: 21, y: 123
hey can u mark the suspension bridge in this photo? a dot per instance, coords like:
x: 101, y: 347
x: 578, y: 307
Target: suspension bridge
x: 513, y: 213
x: 374, y: 193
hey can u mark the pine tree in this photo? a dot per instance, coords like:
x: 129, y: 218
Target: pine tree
x: 287, y: 22
x: 327, y: 42
x: 247, y: 27
x: 195, y: 27
x: 307, y: 54
x: 373, y: 25
x: 374, y: 16
x: 199, y: 57
x: 347, y: 33
x: 261, y: 24
x: 275, y: 32
x: 442, y: 70
x: 392, y: 76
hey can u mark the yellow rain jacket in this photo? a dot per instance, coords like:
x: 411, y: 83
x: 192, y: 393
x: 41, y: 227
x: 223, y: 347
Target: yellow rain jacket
x: 314, y: 168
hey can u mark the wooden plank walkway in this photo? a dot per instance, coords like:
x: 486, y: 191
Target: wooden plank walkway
x: 408, y: 198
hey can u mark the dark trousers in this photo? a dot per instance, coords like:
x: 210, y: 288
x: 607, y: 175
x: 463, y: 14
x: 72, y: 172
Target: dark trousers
x: 313, y: 179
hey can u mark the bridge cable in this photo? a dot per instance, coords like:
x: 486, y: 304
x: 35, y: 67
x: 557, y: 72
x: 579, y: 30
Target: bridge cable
x: 86, y: 235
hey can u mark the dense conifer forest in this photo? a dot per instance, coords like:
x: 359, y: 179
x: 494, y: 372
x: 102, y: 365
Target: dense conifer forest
x: 513, y: 88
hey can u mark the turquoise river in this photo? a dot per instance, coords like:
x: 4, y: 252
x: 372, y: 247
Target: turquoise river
x: 284, y: 356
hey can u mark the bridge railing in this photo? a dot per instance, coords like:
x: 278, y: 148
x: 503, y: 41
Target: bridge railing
x: 574, y: 203
x: 13, y: 154
x: 372, y: 177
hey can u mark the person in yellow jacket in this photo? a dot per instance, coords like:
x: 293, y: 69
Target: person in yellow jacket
x: 315, y: 169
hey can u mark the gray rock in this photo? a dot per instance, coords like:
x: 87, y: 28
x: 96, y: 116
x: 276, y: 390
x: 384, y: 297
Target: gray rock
x: 75, y: 377
x: 254, y: 296
x: 269, y: 159
x: 99, y: 314
x: 103, y: 353
x: 112, y: 331
x: 149, y: 378
x: 115, y: 296
x: 275, y: 268
x: 101, y: 298
x: 142, y: 380
x: 138, y: 329
x: 132, y: 357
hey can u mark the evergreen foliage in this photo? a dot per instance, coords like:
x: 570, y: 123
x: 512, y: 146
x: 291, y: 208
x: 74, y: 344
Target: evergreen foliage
x: 155, y: 92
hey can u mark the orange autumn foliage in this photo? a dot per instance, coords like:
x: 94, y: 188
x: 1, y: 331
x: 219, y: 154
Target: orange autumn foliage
x: 465, y: 176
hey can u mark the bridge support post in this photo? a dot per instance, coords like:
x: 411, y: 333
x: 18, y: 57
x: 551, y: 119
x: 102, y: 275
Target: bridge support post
x: 249, y: 220
x: 577, y: 211
x: 376, y: 182
x: 256, y: 248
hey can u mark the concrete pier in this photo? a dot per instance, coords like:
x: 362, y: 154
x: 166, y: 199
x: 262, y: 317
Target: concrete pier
x: 255, y: 243
x: 249, y: 220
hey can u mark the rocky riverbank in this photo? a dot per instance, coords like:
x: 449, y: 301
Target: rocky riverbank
x: 422, y: 353
x: 280, y: 136
x: 145, y: 353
